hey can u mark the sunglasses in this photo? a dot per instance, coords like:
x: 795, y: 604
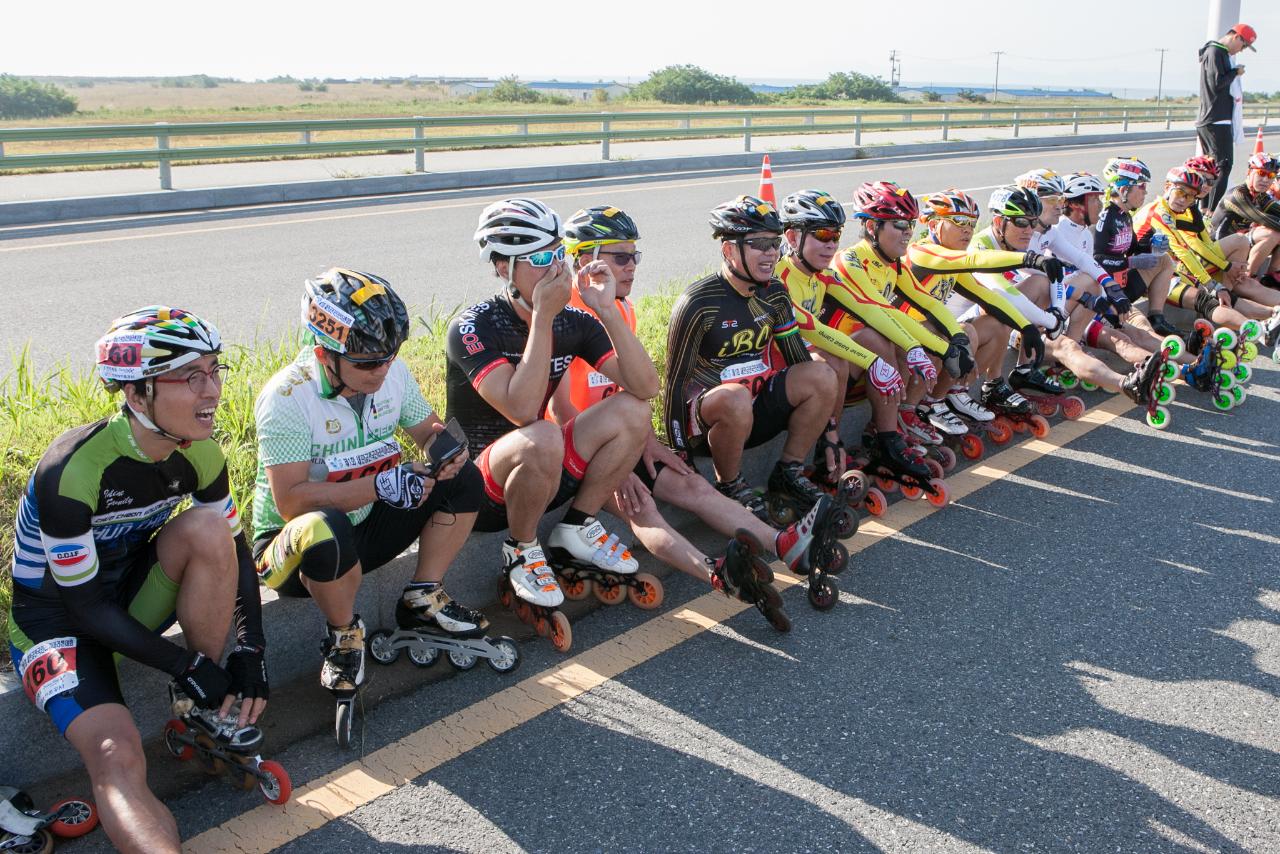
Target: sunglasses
x: 545, y: 258
x: 900, y: 224
x: 364, y: 363
x: 1020, y: 221
x: 826, y: 235
x: 764, y: 244
x: 197, y: 378
x: 1181, y: 192
x: 962, y: 221
x: 1051, y: 200
x: 622, y: 259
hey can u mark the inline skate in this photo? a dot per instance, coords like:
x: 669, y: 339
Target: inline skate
x: 428, y: 623
x: 26, y: 830
x: 742, y: 574
x: 528, y: 587
x: 588, y: 560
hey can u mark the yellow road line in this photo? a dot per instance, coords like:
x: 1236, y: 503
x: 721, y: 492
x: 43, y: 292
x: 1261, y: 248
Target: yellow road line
x: 357, y: 783
x: 843, y: 170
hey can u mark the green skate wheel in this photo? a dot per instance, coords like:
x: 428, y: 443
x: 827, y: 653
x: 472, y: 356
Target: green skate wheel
x: 1088, y: 386
x: 1237, y: 395
x: 1222, y: 400
x: 1169, y: 371
x: 1175, y: 345
x: 1226, y: 380
x: 1229, y: 359
x: 1226, y: 338
x: 1250, y: 330
x: 1068, y: 379
x: 1248, y: 352
x: 1242, y: 373
x: 1159, y: 419
x: 1165, y: 394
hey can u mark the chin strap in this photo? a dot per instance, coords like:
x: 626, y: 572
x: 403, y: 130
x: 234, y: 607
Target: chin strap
x: 336, y: 385
x: 745, y: 272
x: 513, y: 293
x: 147, y: 420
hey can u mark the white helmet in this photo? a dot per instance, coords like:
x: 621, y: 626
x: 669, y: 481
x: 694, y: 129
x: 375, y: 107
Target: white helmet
x: 1078, y: 184
x: 1045, y: 182
x: 516, y: 227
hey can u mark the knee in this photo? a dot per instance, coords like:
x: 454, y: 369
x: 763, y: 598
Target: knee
x: 815, y: 378
x: 117, y: 758
x: 731, y: 401
x: 541, y: 446
x: 631, y: 414
x: 204, y: 532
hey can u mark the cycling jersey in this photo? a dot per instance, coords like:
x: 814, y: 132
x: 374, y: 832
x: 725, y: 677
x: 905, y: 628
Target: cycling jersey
x: 717, y: 336
x: 1198, y: 255
x: 1006, y: 283
x: 944, y: 271
x: 84, y: 533
x: 301, y: 418
x: 807, y: 292
x: 586, y: 385
x: 1114, y: 240
x: 1074, y: 244
x: 856, y: 292
x: 1241, y: 209
x: 900, y: 287
x: 490, y: 334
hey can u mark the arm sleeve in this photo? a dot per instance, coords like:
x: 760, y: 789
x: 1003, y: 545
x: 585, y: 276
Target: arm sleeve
x: 921, y: 300
x: 684, y: 337
x: 1108, y: 225
x: 933, y: 258
x: 1016, y: 300
x: 1240, y: 202
x: 786, y: 328
x: 247, y: 617
x: 1188, y: 260
x: 854, y: 291
x: 1072, y: 253
x: 832, y: 341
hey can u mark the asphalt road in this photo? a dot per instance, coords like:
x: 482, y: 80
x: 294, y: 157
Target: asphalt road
x: 243, y: 269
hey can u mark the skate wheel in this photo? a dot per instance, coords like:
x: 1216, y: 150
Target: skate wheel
x: 1072, y: 408
x: 508, y: 657
x: 946, y: 457
x: 1039, y: 426
x: 75, y: 818
x: 1169, y: 371
x: 941, y: 495
x: 576, y: 589
x: 825, y: 596
x: 777, y: 618
x: 1001, y: 430
x: 274, y: 784
x: 561, y: 632
x: 1068, y: 380
x: 381, y: 650
x: 1222, y: 400
x: 911, y: 493
x: 1047, y: 408
x: 40, y: 843
x: 1248, y: 352
x: 935, y: 468
x: 648, y: 593
x: 875, y: 501
x: 1250, y: 331
x: 853, y: 486
x: 887, y: 486
x: 1202, y: 326
x: 343, y: 723
x: 1088, y: 386
x: 1019, y: 426
x: 505, y: 599
x: 610, y: 594
x: 779, y: 512
x: 1226, y: 338
x: 524, y: 612
x: 1158, y: 418
x: 844, y: 523
x: 837, y: 559
x: 1226, y: 380
x: 422, y: 655
x: 1237, y: 396
x: 1228, y: 359
x: 1165, y: 393
x: 1174, y: 346
x: 541, y: 626
x: 462, y: 661
x: 1242, y: 373
x: 971, y: 446
x: 174, y: 744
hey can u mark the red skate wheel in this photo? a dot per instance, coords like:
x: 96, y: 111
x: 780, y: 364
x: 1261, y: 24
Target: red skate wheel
x: 577, y: 589
x: 886, y: 485
x: 1019, y: 426
x: 935, y: 468
x: 180, y: 749
x: 946, y: 456
x: 1047, y: 408
x: 1039, y: 426
x: 541, y: 626
x: 524, y: 611
x: 648, y: 595
x: 875, y: 501
x: 942, y: 493
x: 610, y: 594
x: 561, y: 632
x: 971, y: 446
x: 75, y: 818
x: 277, y: 787
x: 1072, y: 408
x: 1001, y: 430
x: 911, y: 493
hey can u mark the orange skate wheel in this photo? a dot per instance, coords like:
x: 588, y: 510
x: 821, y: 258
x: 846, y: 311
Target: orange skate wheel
x: 1001, y: 430
x: 875, y: 501
x: 971, y: 446
x: 577, y: 589
x: 1072, y: 408
x: 648, y: 595
x: 561, y: 632
x: 610, y: 594
x: 1039, y: 426
x: 942, y: 493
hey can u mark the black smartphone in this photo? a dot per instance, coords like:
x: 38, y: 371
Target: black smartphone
x: 446, y: 446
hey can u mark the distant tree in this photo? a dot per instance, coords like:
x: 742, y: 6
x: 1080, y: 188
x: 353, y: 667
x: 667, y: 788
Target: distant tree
x: 283, y: 78
x: 689, y: 84
x: 21, y: 98
x: 600, y: 95
x: 509, y: 90
x: 971, y: 96
x: 931, y: 96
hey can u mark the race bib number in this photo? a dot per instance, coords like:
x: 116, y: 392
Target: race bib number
x: 49, y: 669
x: 595, y: 379
x: 362, y: 462
x: 120, y: 356
x: 328, y: 321
x: 744, y: 373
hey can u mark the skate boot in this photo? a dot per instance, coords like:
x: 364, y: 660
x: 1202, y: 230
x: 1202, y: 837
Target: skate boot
x: 791, y: 495
x: 1139, y: 384
x: 742, y: 575
x: 998, y: 396
x: 427, y: 608
x: 915, y: 428
x: 1031, y: 378
x: 1163, y: 327
x: 962, y: 404
x: 1045, y: 395
x: 221, y: 731
x: 892, y: 464
x: 342, y: 672
x: 941, y: 418
x: 588, y: 560
x: 742, y: 492
x: 1271, y: 329
x: 529, y: 588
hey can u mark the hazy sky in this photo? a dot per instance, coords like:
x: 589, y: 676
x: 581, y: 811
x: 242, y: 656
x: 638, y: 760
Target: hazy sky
x: 1100, y: 43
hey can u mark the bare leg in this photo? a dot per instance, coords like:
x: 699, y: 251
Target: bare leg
x: 810, y: 390
x: 692, y: 492
x: 1265, y: 243
x: 527, y: 462
x: 1068, y: 352
x: 196, y: 552
x: 610, y: 437
x: 663, y: 541
x: 1159, y: 280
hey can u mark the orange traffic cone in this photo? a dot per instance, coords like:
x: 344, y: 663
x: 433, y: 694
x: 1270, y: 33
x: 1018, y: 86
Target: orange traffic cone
x: 766, y: 183
x: 1257, y: 146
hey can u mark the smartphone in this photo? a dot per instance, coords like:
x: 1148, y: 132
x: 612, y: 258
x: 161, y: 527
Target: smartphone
x: 446, y: 446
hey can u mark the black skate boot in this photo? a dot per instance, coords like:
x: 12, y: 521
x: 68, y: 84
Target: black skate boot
x: 1163, y: 327
x: 343, y: 670
x: 791, y: 494
x: 742, y: 492
x: 429, y: 609
x: 1031, y: 378
x: 998, y: 396
x: 741, y: 574
x: 1138, y: 384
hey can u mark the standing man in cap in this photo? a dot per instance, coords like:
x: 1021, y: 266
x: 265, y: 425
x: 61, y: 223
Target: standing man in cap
x: 1214, y: 125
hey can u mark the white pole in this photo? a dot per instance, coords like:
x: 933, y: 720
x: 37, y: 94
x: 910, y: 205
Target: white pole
x: 1223, y: 15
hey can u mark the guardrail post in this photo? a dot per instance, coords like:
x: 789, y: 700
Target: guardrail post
x: 162, y: 143
x: 1126, y: 120
x: 684, y: 123
x: 419, y: 151
x: 946, y: 125
x: 1, y: 149
x: 1264, y: 124
x: 1075, y: 121
x: 522, y: 130
x: 1017, y: 117
x: 808, y: 120
x: 305, y: 137
x: 604, y: 140
x: 1168, y: 119
x: 857, y: 129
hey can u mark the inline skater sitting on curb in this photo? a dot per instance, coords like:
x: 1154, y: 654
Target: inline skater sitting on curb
x: 506, y: 356
x: 1253, y: 209
x: 101, y: 567
x: 722, y: 393
x: 607, y: 234
x: 333, y: 499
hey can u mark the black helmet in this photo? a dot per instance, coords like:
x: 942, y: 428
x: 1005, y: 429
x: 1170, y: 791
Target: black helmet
x: 812, y: 209
x: 744, y: 215
x: 1012, y: 200
x: 598, y: 226
x: 354, y: 312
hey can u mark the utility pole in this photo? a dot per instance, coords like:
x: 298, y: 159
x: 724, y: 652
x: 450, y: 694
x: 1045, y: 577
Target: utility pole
x: 1160, y: 85
x: 995, y: 91
x: 895, y: 68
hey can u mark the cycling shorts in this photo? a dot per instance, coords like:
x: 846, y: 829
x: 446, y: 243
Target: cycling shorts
x: 493, y: 509
x: 770, y: 415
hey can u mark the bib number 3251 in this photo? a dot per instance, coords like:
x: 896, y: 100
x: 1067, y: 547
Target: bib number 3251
x: 49, y: 669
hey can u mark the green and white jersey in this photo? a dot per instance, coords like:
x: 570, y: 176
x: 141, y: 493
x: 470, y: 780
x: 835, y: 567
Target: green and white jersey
x: 299, y: 421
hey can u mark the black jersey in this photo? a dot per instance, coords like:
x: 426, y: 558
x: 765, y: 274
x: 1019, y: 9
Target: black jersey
x: 718, y: 336
x: 490, y: 334
x: 1114, y: 239
x: 1241, y: 209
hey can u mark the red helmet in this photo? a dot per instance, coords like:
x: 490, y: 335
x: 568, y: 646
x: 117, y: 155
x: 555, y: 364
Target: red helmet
x: 1205, y: 164
x: 1189, y: 178
x: 884, y: 200
x: 1264, y: 162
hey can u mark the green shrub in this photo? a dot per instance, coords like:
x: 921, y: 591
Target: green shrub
x: 21, y: 98
x: 689, y: 84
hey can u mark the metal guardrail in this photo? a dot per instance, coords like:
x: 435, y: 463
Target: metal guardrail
x: 504, y: 131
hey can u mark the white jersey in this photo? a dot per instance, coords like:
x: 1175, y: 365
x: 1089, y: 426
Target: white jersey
x: 1073, y: 244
